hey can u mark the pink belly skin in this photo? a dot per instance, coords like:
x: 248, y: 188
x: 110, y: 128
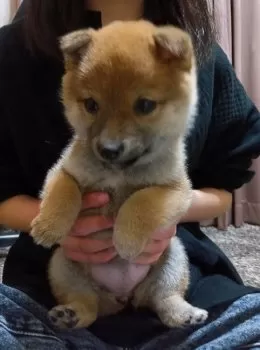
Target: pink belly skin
x: 119, y: 277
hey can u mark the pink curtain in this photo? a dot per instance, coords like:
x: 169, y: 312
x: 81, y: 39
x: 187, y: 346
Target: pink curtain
x: 8, y: 9
x: 14, y: 4
x: 238, y: 23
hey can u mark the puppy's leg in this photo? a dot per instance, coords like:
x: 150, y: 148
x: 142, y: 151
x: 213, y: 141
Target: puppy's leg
x: 79, y: 311
x: 78, y: 302
x: 165, y: 287
x: 146, y: 211
x: 174, y: 311
x: 59, y: 208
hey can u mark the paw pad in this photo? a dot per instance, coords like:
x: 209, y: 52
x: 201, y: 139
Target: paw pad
x: 63, y: 317
x: 195, y: 316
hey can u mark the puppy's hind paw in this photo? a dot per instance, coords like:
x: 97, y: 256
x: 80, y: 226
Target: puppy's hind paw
x: 176, y: 312
x: 193, y: 316
x: 63, y: 317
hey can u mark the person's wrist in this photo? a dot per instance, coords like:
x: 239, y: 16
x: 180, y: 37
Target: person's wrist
x: 195, y: 200
x: 18, y: 212
x: 34, y: 209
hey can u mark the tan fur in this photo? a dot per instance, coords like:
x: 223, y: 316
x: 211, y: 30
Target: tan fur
x: 62, y: 191
x: 116, y: 66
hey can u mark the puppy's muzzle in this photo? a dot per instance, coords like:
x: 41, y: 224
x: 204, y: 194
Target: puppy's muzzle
x: 110, y: 150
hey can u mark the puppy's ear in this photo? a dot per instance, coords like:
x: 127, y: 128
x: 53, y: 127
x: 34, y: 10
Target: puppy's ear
x: 174, y: 44
x: 74, y: 45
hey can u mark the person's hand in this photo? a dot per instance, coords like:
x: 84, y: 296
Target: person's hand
x: 159, y: 243
x: 78, y: 246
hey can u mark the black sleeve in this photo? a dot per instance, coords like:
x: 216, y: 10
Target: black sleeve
x: 11, y: 179
x: 233, y: 140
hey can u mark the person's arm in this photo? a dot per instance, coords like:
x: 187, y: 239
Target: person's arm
x: 17, y: 212
x: 207, y: 204
x: 233, y: 141
x: 16, y: 209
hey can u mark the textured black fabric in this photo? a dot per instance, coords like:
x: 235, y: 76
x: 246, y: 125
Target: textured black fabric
x: 33, y: 132
x: 233, y: 134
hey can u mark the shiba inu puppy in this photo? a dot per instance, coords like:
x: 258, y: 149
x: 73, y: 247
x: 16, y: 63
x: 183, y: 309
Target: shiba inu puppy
x: 130, y: 94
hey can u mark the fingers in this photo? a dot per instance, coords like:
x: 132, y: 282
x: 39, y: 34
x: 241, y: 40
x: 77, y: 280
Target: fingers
x: 85, y: 245
x: 91, y: 224
x: 94, y: 200
x: 154, y: 250
x: 95, y: 258
x: 79, y: 248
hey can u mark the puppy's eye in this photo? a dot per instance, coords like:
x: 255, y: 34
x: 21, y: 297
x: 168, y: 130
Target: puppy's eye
x: 144, y: 106
x: 91, y: 105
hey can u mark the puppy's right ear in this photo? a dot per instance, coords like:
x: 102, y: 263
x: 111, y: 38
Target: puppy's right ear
x: 74, y: 45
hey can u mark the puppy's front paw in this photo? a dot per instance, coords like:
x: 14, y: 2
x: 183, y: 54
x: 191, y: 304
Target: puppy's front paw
x: 128, y: 246
x: 45, y: 232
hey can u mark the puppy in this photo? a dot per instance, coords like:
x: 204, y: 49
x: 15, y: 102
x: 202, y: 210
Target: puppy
x: 130, y: 94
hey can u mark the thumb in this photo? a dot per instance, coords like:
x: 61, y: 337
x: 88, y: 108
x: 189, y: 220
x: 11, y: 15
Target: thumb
x: 94, y: 200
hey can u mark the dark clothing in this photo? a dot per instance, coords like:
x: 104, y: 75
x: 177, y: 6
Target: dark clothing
x: 24, y: 325
x: 33, y: 132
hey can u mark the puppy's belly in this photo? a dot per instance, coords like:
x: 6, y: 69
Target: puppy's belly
x: 119, y: 277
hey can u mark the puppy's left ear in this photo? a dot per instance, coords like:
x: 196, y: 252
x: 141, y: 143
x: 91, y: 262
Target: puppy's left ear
x: 174, y: 44
x: 74, y: 45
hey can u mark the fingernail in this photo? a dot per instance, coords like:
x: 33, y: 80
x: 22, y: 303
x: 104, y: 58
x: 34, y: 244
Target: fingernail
x: 109, y: 220
x: 99, y: 198
x: 102, y: 197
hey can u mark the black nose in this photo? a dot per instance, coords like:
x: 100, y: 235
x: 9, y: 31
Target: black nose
x: 110, y: 150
